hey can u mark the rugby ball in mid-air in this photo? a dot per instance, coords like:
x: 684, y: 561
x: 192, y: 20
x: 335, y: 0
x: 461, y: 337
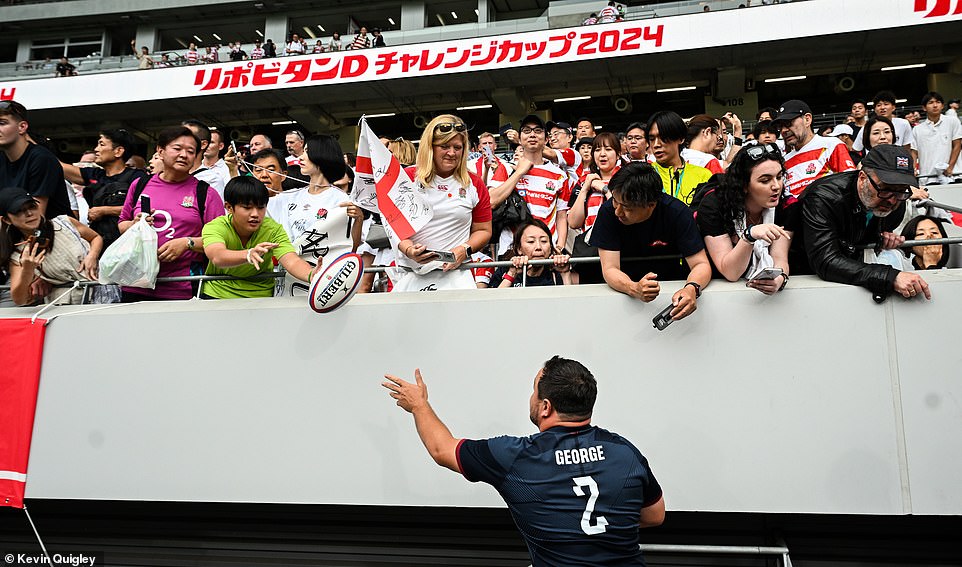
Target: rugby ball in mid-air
x: 337, y: 283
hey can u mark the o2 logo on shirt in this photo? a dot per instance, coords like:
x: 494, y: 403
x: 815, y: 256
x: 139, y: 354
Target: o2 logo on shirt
x: 167, y: 223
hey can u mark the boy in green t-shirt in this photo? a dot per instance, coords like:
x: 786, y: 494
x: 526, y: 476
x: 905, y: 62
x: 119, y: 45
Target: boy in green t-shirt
x: 243, y: 242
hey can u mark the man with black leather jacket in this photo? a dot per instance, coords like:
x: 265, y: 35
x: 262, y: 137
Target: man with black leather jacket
x: 843, y: 211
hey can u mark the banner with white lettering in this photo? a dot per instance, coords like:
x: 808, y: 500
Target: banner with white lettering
x: 381, y: 185
x: 21, y: 353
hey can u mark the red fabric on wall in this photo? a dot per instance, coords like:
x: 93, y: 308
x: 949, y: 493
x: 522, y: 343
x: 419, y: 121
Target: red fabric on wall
x: 21, y: 352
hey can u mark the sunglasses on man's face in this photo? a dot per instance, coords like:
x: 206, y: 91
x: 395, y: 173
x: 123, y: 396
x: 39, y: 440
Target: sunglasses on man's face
x: 445, y: 127
x: 760, y: 151
x: 899, y: 194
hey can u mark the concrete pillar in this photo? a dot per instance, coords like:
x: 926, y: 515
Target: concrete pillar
x: 23, y: 50
x: 275, y: 28
x: 485, y: 11
x: 147, y: 35
x: 414, y: 16
x: 949, y: 85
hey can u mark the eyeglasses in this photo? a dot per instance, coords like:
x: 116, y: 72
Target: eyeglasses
x: 888, y: 193
x: 760, y: 151
x: 445, y: 127
x: 635, y: 138
x: 527, y: 131
x: 13, y: 107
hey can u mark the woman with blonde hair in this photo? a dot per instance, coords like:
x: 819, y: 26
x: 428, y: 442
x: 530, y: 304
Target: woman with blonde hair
x: 403, y: 150
x: 461, y: 221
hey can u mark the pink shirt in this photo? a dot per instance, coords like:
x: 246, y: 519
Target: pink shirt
x: 175, y: 216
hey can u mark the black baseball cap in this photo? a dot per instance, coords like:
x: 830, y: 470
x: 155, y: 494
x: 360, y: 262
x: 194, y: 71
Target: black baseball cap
x: 12, y: 200
x: 893, y: 165
x: 584, y: 141
x: 531, y: 119
x: 790, y: 110
x: 563, y: 125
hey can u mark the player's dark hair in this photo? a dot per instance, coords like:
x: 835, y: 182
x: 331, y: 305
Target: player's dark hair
x: 168, y: 135
x: 122, y: 138
x: 247, y: 191
x: 764, y: 127
x: 325, y: 153
x: 671, y: 126
x: 636, y: 184
x: 270, y: 153
x: 570, y: 386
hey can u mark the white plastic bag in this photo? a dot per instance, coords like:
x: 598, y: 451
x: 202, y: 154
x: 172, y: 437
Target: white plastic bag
x: 132, y: 259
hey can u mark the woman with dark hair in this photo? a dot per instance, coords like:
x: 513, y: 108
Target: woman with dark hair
x: 605, y: 162
x: 180, y: 207
x: 59, y: 251
x: 320, y: 219
x: 932, y: 257
x: 877, y: 131
x: 532, y: 241
x: 741, y: 221
x: 335, y: 43
x: 704, y: 133
x: 461, y: 222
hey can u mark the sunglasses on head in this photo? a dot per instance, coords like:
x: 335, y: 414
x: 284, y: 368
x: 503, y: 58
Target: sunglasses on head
x: 760, y: 151
x: 445, y: 127
x: 13, y: 107
x: 900, y: 195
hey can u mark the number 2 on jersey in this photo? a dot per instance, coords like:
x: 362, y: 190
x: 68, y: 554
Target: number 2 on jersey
x: 599, y: 527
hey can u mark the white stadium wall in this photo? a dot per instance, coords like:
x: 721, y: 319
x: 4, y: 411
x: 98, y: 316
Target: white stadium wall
x: 816, y: 400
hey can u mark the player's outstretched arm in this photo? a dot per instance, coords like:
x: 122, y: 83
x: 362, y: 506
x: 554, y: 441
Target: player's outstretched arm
x: 437, y: 438
x: 653, y: 515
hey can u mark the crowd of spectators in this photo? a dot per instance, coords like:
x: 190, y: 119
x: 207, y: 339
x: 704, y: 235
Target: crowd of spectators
x: 665, y: 199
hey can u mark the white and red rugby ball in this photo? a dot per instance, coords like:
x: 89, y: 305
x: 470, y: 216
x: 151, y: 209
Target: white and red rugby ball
x: 337, y: 283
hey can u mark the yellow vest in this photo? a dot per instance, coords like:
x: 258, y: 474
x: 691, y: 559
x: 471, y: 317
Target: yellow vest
x: 681, y: 182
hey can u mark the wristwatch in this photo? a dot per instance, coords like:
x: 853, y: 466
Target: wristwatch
x: 784, y: 281
x: 468, y: 251
x: 747, y: 235
x: 697, y: 288
x: 737, y: 141
x: 190, y: 243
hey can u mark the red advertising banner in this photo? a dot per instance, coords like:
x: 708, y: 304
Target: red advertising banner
x: 21, y: 352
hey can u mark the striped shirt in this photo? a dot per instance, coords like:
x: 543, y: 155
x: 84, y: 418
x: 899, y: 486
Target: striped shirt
x: 821, y: 156
x: 545, y: 189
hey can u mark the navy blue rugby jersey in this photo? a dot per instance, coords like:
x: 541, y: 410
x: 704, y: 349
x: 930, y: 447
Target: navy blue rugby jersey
x: 575, y: 493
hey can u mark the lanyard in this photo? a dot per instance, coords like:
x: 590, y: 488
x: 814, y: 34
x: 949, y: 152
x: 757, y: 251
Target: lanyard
x: 680, y: 175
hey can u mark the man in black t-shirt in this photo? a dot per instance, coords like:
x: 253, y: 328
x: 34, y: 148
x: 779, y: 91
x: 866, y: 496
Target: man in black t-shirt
x: 29, y: 166
x: 641, y: 220
x: 105, y: 187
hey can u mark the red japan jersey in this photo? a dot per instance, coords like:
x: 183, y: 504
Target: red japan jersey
x: 544, y: 188
x: 820, y: 157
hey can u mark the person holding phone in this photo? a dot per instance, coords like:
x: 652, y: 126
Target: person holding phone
x: 59, y: 251
x: 461, y: 223
x: 741, y: 222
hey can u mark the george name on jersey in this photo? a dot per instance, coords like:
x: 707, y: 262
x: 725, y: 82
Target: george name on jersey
x: 579, y: 456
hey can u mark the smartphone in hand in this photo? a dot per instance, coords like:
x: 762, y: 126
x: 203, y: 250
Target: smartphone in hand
x: 663, y: 319
x: 145, y: 205
x: 444, y: 255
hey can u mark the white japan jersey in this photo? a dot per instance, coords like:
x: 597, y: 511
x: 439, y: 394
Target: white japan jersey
x: 455, y: 208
